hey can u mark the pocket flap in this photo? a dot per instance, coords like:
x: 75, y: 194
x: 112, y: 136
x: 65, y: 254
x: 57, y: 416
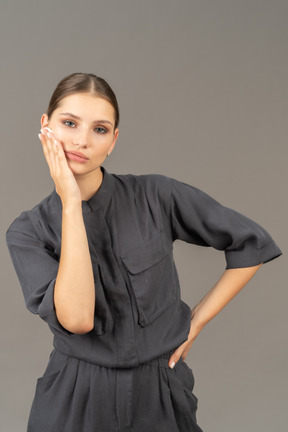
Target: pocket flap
x: 149, y: 253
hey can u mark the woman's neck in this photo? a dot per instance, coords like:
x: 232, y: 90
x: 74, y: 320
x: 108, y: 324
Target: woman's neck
x: 89, y: 184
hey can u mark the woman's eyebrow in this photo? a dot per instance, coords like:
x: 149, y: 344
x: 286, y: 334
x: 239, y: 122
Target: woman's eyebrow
x: 78, y: 118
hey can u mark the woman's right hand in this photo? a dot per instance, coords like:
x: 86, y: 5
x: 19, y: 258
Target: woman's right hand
x: 63, y: 177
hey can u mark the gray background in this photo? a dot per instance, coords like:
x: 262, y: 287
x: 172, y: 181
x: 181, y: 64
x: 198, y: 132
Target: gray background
x: 202, y: 89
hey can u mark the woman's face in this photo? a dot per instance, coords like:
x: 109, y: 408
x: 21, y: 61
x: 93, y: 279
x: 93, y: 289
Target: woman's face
x: 91, y: 133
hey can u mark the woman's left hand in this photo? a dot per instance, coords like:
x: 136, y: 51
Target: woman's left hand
x: 183, y: 349
x: 228, y: 285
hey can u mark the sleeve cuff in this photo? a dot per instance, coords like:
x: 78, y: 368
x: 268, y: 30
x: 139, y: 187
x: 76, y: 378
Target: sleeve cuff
x: 47, y: 310
x: 249, y: 256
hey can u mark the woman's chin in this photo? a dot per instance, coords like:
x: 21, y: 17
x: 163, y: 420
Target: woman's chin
x: 77, y: 168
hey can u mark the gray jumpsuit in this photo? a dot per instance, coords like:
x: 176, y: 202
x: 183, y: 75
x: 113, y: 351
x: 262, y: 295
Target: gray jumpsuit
x: 116, y: 377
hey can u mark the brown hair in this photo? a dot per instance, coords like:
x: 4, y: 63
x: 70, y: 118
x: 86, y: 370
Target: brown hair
x: 80, y: 82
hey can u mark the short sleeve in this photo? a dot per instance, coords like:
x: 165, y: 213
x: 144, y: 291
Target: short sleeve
x: 36, y: 267
x: 199, y: 219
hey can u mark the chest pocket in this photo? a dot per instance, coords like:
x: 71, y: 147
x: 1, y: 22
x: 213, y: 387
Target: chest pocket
x: 151, y: 272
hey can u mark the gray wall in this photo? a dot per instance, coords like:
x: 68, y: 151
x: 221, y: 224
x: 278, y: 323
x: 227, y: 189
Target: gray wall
x: 202, y: 88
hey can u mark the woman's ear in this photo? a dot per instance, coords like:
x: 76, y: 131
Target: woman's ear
x: 44, y: 120
x: 116, y: 133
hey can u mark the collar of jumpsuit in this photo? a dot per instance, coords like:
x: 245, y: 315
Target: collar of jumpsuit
x: 131, y: 224
x: 99, y: 199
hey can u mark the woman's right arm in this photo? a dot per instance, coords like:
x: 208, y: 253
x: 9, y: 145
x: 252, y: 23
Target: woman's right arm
x: 74, y: 292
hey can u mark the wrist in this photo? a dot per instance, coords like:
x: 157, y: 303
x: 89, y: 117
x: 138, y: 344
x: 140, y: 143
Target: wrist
x: 196, y: 322
x: 71, y: 207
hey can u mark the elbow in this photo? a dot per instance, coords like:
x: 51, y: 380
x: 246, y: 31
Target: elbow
x: 81, y: 328
x: 74, y: 321
x: 78, y: 326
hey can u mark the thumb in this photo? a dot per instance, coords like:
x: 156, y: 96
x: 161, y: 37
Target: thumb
x: 175, y: 357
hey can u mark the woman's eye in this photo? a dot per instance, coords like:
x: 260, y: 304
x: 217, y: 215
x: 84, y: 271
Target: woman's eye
x: 68, y: 121
x: 101, y: 130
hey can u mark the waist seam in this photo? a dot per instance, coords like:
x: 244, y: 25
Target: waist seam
x: 161, y: 360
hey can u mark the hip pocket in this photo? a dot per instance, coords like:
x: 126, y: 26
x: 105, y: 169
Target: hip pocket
x: 184, y: 401
x: 188, y: 374
x: 49, y: 407
x: 56, y: 364
x: 151, y: 271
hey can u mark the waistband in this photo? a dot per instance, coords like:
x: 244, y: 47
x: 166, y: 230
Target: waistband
x: 161, y: 361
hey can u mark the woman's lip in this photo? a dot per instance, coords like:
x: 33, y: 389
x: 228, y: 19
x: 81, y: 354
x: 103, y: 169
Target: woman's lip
x: 75, y: 157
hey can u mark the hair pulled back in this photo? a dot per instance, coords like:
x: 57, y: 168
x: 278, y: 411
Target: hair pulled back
x: 80, y: 82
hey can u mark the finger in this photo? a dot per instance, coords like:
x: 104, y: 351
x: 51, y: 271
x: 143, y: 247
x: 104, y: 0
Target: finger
x: 175, y: 357
x: 50, y: 130
x: 51, y: 148
x: 48, y: 151
x: 171, y: 362
x: 57, y: 158
x: 45, y: 149
x: 63, y: 164
x: 48, y: 139
x: 51, y: 134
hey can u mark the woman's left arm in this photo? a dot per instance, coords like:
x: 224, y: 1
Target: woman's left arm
x: 227, y: 286
x: 197, y: 218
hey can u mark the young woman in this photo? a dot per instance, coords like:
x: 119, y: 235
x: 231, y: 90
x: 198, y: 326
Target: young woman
x: 95, y: 261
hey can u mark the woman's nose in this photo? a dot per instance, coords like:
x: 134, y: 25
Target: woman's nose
x: 81, y: 139
x: 80, y: 145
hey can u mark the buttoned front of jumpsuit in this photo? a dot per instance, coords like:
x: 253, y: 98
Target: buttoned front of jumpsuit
x: 116, y: 377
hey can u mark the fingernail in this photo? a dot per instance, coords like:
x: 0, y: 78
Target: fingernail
x: 39, y: 135
x: 48, y: 135
x: 172, y: 365
x: 56, y: 142
x: 42, y: 131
